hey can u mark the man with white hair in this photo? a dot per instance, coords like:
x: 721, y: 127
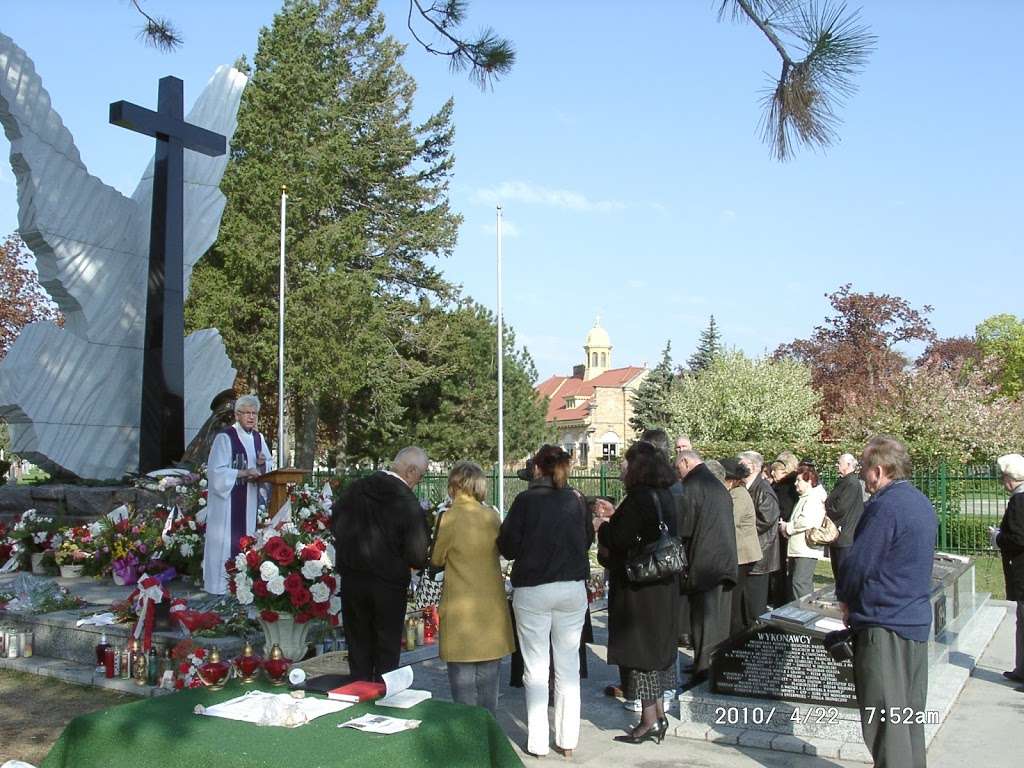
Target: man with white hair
x: 844, y: 506
x: 380, y: 534
x: 1010, y: 540
x: 238, y: 457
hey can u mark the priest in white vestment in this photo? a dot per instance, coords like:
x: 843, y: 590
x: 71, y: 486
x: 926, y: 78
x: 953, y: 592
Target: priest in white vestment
x: 239, y: 456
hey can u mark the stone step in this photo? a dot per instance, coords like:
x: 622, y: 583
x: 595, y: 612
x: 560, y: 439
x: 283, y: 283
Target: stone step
x: 79, y: 674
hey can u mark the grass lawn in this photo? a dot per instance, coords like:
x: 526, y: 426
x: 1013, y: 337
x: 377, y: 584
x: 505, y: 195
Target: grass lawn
x: 34, y: 711
x: 988, y: 575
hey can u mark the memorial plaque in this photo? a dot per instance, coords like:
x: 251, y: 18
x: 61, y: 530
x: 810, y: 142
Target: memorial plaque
x: 939, y: 615
x: 779, y: 662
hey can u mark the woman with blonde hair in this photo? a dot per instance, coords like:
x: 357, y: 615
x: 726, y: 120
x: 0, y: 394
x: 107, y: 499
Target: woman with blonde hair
x: 476, y: 631
x: 547, y: 532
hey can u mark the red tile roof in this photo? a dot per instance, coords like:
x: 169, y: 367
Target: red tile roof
x: 558, y: 388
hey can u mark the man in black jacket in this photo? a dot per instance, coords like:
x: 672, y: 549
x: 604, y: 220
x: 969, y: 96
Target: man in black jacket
x: 766, y: 507
x: 705, y: 525
x: 844, y: 506
x: 380, y: 533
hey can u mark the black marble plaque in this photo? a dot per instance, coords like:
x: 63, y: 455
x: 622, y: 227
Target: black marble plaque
x: 773, y: 662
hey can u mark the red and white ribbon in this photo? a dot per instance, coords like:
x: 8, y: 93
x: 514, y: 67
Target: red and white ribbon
x: 149, y: 592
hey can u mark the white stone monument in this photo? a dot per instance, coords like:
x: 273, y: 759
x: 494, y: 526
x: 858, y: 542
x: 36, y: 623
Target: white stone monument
x: 72, y: 396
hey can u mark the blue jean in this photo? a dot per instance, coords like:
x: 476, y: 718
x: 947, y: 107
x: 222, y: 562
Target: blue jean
x: 475, y: 683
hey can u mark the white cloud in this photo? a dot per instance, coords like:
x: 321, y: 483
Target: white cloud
x: 636, y: 284
x: 535, y: 194
x: 508, y: 229
x: 727, y: 216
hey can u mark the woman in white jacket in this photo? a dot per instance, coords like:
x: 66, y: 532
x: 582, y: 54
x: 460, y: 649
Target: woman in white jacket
x: 808, y: 513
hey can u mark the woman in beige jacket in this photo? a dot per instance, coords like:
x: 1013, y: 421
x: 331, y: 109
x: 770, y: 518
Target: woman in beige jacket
x: 476, y: 630
x: 808, y: 513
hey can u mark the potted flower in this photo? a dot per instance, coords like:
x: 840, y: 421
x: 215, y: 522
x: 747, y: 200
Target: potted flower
x: 285, y: 572
x: 73, y: 551
x: 183, y: 542
x: 35, y: 535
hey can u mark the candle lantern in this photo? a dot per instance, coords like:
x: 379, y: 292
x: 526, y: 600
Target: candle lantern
x: 247, y: 666
x: 277, y: 666
x: 214, y: 672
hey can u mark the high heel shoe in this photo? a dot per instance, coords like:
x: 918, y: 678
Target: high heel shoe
x: 663, y: 722
x: 655, y: 733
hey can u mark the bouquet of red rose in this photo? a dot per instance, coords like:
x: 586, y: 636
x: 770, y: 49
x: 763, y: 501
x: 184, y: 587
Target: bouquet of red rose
x: 286, y: 569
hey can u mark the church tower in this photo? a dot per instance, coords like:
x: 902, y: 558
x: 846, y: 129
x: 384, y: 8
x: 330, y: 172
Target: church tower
x: 598, y: 351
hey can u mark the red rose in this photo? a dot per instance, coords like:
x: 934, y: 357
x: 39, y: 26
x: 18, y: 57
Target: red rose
x: 183, y: 667
x: 259, y: 588
x: 310, y: 553
x: 179, y: 684
x: 246, y: 541
x: 330, y: 582
x: 253, y: 559
x: 320, y: 610
x: 268, y: 615
x: 272, y: 544
x: 300, y: 597
x: 293, y: 582
x: 284, y: 555
x: 199, y: 653
x: 230, y: 567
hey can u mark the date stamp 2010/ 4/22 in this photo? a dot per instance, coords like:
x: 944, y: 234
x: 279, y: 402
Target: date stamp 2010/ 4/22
x: 740, y: 716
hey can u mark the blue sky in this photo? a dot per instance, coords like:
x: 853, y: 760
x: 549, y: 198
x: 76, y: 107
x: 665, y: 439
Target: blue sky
x: 624, y: 148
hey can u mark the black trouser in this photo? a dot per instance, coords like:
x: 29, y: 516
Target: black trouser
x: 835, y: 557
x: 756, y: 590
x: 891, y: 675
x: 373, y: 613
x: 709, y: 624
x: 742, y: 616
x: 684, y: 616
x: 778, y: 592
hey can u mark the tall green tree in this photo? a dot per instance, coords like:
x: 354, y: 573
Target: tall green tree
x: 652, y: 404
x: 455, y: 415
x: 1001, y: 339
x: 709, y: 347
x: 327, y: 113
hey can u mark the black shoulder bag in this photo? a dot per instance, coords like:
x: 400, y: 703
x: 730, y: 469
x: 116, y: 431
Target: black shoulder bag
x: 659, y: 559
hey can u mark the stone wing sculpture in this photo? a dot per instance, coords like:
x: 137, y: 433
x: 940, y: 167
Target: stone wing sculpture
x: 72, y: 396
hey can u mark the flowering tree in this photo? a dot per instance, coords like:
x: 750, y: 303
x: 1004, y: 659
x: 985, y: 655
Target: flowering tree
x: 22, y: 298
x: 745, y: 402
x: 942, y: 414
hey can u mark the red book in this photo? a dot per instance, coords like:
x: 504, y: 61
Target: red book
x: 357, y: 692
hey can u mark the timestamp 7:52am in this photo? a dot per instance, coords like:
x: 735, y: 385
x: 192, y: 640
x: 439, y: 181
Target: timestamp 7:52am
x: 902, y: 716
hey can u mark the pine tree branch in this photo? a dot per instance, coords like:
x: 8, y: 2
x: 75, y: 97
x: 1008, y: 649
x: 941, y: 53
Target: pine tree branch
x: 158, y: 32
x: 488, y: 57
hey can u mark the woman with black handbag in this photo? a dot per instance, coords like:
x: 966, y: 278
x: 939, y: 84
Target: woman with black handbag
x: 640, y: 638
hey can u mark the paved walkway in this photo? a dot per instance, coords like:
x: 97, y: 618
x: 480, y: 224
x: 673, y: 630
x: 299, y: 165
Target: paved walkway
x: 989, y: 709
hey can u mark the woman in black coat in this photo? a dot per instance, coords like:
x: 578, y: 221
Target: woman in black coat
x: 641, y: 634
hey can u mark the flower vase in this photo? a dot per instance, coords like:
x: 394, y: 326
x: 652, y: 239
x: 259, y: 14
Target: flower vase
x: 287, y: 634
x: 71, y: 571
x: 37, y: 564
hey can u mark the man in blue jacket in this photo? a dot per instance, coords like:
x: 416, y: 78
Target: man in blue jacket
x: 884, y: 588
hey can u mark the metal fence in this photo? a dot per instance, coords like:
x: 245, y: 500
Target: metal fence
x: 967, y: 498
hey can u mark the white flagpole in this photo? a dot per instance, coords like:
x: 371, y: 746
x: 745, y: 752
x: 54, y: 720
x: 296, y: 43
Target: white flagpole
x: 501, y: 386
x: 281, y: 462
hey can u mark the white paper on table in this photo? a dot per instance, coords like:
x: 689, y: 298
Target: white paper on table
x: 380, y: 724
x: 255, y: 706
x: 828, y: 624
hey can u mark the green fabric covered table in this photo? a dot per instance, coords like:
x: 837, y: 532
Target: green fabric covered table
x: 163, y: 731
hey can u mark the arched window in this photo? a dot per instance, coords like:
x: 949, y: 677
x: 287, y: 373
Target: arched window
x: 593, y: 363
x: 604, y: 360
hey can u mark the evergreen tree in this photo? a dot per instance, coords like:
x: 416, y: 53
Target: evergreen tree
x: 708, y: 348
x: 327, y: 113
x: 652, y: 404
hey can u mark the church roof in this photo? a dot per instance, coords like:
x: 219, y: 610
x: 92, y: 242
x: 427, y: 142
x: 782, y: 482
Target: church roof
x: 597, y: 336
x: 559, y: 388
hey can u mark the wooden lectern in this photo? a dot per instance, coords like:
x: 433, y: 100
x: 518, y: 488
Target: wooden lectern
x: 279, y: 481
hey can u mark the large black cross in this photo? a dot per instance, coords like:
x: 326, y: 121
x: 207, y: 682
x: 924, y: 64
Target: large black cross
x: 162, y: 422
